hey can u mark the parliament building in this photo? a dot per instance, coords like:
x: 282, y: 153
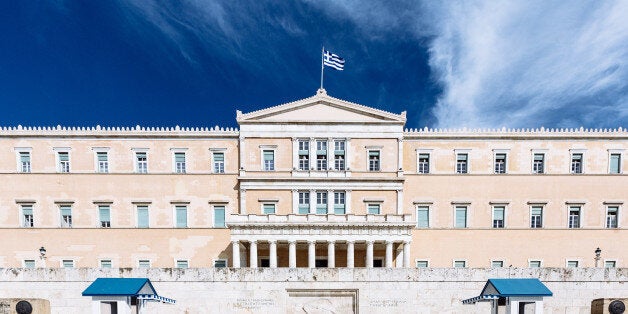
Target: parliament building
x: 316, y: 183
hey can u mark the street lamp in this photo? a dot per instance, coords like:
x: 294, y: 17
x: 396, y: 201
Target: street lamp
x: 598, y: 252
x: 42, y: 252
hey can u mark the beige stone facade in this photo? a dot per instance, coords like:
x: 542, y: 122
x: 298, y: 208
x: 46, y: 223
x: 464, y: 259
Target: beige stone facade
x: 319, y: 182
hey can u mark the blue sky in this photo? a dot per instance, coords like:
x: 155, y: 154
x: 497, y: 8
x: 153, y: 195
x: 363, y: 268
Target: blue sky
x: 193, y: 63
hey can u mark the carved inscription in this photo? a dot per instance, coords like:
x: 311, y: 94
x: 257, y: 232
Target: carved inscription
x: 252, y: 304
x: 387, y: 303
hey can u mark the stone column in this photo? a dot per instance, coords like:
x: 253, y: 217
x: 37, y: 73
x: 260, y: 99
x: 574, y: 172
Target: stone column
x: 272, y: 248
x: 292, y: 253
x: 295, y: 153
x: 331, y: 254
x: 235, y: 254
x: 406, y: 254
x: 295, y: 201
x: 311, y: 254
x: 389, y: 251
x: 350, y: 249
x: 400, y: 202
x: 538, y: 307
x: 312, y: 202
x: 399, y: 256
x: 253, y: 254
x: 369, y: 254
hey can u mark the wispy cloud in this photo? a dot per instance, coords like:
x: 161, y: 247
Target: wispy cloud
x: 531, y: 63
x: 513, y: 63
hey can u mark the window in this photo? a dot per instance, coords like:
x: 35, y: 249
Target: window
x: 179, y: 162
x: 220, y: 263
x: 182, y: 264
x: 422, y: 264
x: 423, y: 216
x: 321, y: 203
x: 374, y: 160
x: 219, y: 162
x: 500, y: 163
x: 141, y: 162
x: 462, y: 163
x: 497, y: 264
x: 610, y: 264
x: 572, y: 264
x: 339, y: 203
x: 269, y: 160
x: 66, y: 216
x: 615, y: 163
x: 534, y: 264
x: 105, y: 263
x: 576, y: 163
x: 143, y: 263
x: 460, y: 264
x: 29, y: 263
x: 373, y: 209
x: 304, y: 202
x: 27, y: 216
x: 63, y: 162
x: 536, y: 217
x: 321, y: 155
x: 461, y: 217
x: 268, y: 209
x: 24, y: 164
x: 574, y: 217
x: 498, y: 216
x: 304, y: 155
x: 424, y: 163
x: 538, y: 163
x: 142, y: 216
x: 67, y: 263
x: 102, y: 159
x: 219, y: 217
x: 181, y: 216
x: 611, y: 216
x: 104, y: 214
x: 339, y: 155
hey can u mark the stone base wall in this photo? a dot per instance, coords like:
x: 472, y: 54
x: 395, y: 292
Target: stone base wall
x: 300, y: 290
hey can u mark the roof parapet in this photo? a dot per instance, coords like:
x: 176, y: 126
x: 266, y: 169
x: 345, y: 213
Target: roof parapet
x: 516, y: 131
x: 118, y: 131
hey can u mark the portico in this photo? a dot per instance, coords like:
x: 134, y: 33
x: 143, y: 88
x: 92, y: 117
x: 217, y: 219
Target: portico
x: 320, y: 244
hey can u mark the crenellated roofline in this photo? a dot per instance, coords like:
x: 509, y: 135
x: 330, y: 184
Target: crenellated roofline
x: 137, y: 131
x: 618, y: 133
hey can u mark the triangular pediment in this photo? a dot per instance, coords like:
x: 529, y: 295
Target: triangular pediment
x: 321, y: 108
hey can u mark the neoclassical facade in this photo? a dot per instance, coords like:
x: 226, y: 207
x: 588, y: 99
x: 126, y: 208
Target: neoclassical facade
x: 319, y: 182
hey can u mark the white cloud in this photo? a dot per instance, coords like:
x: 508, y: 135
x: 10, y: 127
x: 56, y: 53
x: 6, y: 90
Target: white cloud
x: 531, y: 63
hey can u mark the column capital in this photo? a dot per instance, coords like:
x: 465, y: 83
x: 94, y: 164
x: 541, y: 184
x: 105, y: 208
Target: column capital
x: 253, y: 241
x: 235, y: 241
x: 369, y: 241
x: 406, y: 242
x: 331, y: 241
x: 350, y: 241
x: 271, y: 241
x: 389, y: 242
x: 311, y: 241
x: 292, y: 241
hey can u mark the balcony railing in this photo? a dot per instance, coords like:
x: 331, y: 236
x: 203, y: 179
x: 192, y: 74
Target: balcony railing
x: 313, y: 218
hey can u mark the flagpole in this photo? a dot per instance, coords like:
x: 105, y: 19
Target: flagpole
x: 322, y: 66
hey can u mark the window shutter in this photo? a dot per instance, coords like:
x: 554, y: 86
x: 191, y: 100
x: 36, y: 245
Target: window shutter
x: 537, y: 210
x: 614, y: 166
x: 25, y: 157
x: 101, y: 156
x: 498, y: 213
x: 66, y: 210
x: 104, y: 213
x: 423, y: 217
x: 179, y: 157
x: 27, y: 210
x: 142, y: 216
x: 538, y: 157
x: 374, y: 153
x: 269, y: 155
x: 219, y: 216
x: 64, y: 157
x: 462, y: 157
x: 461, y: 217
x: 219, y: 157
x: 182, y: 217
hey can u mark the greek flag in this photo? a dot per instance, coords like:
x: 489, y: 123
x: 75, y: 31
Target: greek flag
x: 333, y: 60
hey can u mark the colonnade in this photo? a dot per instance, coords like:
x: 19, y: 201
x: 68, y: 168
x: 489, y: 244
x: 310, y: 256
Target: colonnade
x: 403, y: 252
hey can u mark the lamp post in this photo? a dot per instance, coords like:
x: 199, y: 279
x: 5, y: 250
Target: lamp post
x: 598, y: 252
